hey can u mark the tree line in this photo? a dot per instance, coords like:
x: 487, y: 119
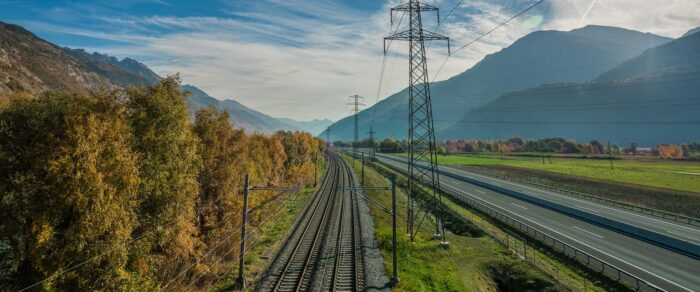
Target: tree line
x: 548, y: 145
x: 125, y: 190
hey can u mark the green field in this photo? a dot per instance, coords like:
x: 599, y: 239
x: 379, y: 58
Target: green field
x: 675, y: 175
x: 470, y: 264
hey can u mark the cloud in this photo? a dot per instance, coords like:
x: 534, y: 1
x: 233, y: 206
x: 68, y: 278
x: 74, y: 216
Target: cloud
x: 297, y: 59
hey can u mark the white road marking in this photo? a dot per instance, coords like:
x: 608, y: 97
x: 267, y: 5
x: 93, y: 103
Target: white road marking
x: 584, y: 244
x: 688, y: 237
x: 586, y: 231
x: 480, y: 191
x: 518, y: 205
x: 541, y: 191
x: 587, y: 209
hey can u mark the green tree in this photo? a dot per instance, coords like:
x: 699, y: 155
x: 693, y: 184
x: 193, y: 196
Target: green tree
x: 68, y: 181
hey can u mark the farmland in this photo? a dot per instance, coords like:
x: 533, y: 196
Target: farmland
x: 665, y: 174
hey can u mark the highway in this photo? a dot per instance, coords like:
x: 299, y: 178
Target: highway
x: 677, y: 230
x: 669, y: 270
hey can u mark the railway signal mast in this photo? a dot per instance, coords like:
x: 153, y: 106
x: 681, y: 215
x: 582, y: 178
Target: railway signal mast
x: 421, y: 135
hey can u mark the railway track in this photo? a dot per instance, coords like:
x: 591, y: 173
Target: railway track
x: 324, y: 251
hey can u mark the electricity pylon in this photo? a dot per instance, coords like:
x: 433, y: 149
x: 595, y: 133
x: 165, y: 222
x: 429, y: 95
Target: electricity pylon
x: 421, y: 135
x: 356, y: 104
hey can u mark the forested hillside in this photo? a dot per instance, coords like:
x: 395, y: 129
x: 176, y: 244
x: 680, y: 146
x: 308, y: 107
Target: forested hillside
x: 121, y: 191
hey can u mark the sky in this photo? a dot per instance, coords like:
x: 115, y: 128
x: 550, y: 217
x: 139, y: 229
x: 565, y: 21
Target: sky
x: 301, y: 59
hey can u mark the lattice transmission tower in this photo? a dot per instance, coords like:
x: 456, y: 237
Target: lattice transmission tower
x: 422, y: 159
x: 355, y: 104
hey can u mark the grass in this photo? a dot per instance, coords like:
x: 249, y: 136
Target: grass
x: 666, y: 174
x: 268, y: 238
x: 470, y: 264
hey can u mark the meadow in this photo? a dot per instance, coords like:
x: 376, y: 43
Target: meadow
x: 650, y: 172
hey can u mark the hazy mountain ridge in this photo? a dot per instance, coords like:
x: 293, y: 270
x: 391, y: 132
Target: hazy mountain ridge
x: 691, y: 32
x: 239, y: 115
x: 29, y: 63
x: 315, y: 126
x: 647, y: 99
x: 541, y: 57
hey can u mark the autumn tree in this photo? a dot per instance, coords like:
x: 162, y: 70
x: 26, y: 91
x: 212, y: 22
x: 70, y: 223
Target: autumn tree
x: 223, y: 153
x: 69, y: 182
x: 169, y: 165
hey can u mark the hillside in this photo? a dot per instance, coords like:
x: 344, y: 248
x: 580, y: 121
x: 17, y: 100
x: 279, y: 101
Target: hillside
x: 315, y: 127
x: 650, y: 99
x: 29, y: 63
x: 239, y: 115
x: 541, y: 57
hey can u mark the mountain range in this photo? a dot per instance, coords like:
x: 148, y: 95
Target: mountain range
x: 594, y: 82
x: 29, y: 63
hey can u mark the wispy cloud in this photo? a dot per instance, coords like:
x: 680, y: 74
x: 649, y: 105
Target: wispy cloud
x: 301, y: 59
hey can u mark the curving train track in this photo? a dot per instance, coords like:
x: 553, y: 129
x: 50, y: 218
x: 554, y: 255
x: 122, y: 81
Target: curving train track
x: 324, y: 250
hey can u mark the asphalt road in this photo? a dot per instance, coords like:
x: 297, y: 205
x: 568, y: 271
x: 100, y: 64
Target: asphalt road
x: 680, y: 231
x: 669, y: 270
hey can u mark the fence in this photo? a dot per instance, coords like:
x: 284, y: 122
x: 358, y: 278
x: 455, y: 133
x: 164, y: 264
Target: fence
x: 584, y: 258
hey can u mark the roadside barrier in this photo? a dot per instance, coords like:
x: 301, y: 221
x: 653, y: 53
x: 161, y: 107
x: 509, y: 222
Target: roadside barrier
x: 584, y: 258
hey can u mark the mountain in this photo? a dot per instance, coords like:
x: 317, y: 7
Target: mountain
x: 692, y: 31
x: 239, y: 115
x: 124, y: 73
x: 29, y: 63
x: 538, y: 58
x: 678, y: 57
x: 315, y: 127
x: 650, y: 99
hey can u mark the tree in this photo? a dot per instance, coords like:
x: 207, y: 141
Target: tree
x: 169, y: 167
x: 631, y: 149
x: 554, y: 146
x: 570, y: 147
x: 224, y: 158
x: 596, y: 147
x: 669, y: 151
x: 69, y: 185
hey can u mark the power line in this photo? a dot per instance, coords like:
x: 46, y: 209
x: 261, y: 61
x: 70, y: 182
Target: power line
x: 381, y: 75
x: 485, y: 34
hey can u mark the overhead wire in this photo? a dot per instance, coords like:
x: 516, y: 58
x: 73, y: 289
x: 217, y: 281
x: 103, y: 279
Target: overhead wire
x: 484, y: 35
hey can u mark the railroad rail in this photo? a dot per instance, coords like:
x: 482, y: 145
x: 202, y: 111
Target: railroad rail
x: 324, y: 251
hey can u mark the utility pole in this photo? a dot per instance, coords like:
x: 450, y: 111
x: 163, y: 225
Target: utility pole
x: 355, y: 102
x: 241, y: 282
x: 315, y: 168
x: 371, y: 145
x: 421, y: 132
x: 394, y: 277
x: 363, y: 168
x: 328, y: 135
x: 610, y: 155
x: 357, y: 189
